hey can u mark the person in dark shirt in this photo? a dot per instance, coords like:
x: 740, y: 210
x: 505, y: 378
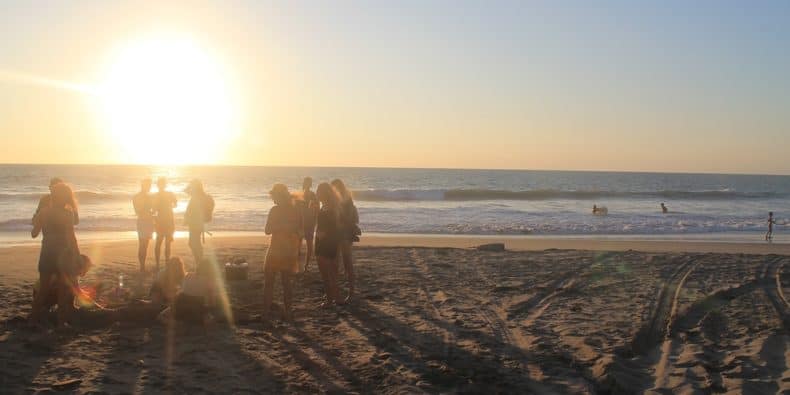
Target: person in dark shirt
x: 349, y: 224
x: 327, y: 241
x: 309, y: 206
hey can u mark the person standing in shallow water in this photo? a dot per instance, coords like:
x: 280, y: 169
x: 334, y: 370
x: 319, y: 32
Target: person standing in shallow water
x: 164, y: 202
x: 349, y: 233
x: 198, y: 212
x: 285, y: 224
x: 145, y: 220
x: 771, y: 221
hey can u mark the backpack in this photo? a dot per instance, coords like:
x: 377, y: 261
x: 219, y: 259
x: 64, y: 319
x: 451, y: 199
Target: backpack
x: 208, y: 208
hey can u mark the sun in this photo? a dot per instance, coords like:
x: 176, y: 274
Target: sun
x: 167, y: 100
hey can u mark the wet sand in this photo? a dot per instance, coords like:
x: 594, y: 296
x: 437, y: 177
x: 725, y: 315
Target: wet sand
x: 682, y: 317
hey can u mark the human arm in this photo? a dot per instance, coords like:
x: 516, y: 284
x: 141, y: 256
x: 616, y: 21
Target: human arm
x: 38, y: 222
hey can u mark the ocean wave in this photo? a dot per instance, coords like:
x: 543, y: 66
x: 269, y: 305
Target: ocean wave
x: 395, y: 195
x: 82, y: 196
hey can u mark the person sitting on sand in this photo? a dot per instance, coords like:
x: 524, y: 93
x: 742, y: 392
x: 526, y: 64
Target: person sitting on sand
x: 664, y: 208
x: 198, y: 295
x: 145, y: 220
x: 770, y: 234
x: 327, y: 240
x: 167, y: 284
x: 349, y: 223
x: 198, y: 212
x: 285, y: 224
x: 59, y: 259
x: 163, y: 204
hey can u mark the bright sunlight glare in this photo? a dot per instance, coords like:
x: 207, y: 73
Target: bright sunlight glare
x: 166, y: 100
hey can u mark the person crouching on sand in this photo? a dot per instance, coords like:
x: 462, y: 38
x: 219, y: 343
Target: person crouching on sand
x: 198, y: 295
x: 168, y: 282
x: 350, y: 232
x: 286, y: 226
x: 327, y: 240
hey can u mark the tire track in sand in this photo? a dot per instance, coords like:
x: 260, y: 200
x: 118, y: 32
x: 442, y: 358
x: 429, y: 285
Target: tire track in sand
x: 663, y: 315
x: 772, y: 286
x: 700, y: 311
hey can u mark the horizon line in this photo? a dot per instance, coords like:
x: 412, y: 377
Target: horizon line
x: 405, y: 168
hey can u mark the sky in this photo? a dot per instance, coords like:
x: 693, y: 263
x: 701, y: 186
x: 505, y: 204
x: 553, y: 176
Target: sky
x: 670, y: 86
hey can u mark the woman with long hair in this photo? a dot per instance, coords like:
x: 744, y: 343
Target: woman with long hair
x: 327, y: 240
x: 198, y: 212
x: 285, y: 225
x: 59, y: 260
x: 349, y: 224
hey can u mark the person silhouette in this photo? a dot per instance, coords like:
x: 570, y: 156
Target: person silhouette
x: 164, y: 202
x: 145, y: 220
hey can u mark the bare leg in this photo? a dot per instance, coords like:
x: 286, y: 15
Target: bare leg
x: 44, y: 289
x: 65, y: 300
x: 142, y: 252
x: 348, y: 268
x: 168, y: 242
x: 158, y: 249
x: 328, y: 269
x: 285, y: 277
x: 196, y: 245
x: 309, y: 254
x: 268, y: 290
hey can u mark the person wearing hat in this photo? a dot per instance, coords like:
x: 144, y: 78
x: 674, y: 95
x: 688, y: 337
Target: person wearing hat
x: 286, y: 226
x: 198, y: 212
x: 45, y: 200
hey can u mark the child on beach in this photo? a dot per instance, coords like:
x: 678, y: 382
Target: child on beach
x: 771, y: 221
x: 327, y: 240
x: 286, y: 226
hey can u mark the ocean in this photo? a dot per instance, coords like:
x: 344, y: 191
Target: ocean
x: 429, y: 201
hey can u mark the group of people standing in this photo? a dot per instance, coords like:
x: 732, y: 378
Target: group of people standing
x: 155, y: 213
x: 328, y: 221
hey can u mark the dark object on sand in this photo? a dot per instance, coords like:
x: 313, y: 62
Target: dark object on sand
x: 236, y: 270
x: 496, y: 247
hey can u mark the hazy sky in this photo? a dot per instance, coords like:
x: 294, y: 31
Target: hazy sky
x: 697, y: 86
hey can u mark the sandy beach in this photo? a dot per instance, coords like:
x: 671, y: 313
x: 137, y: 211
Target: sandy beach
x: 435, y: 316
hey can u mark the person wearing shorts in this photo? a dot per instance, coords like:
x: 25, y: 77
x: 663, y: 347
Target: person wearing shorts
x: 145, y: 220
x: 164, y: 202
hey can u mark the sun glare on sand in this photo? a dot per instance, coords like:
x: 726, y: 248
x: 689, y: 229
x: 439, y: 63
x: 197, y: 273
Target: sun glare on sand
x: 166, y: 100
